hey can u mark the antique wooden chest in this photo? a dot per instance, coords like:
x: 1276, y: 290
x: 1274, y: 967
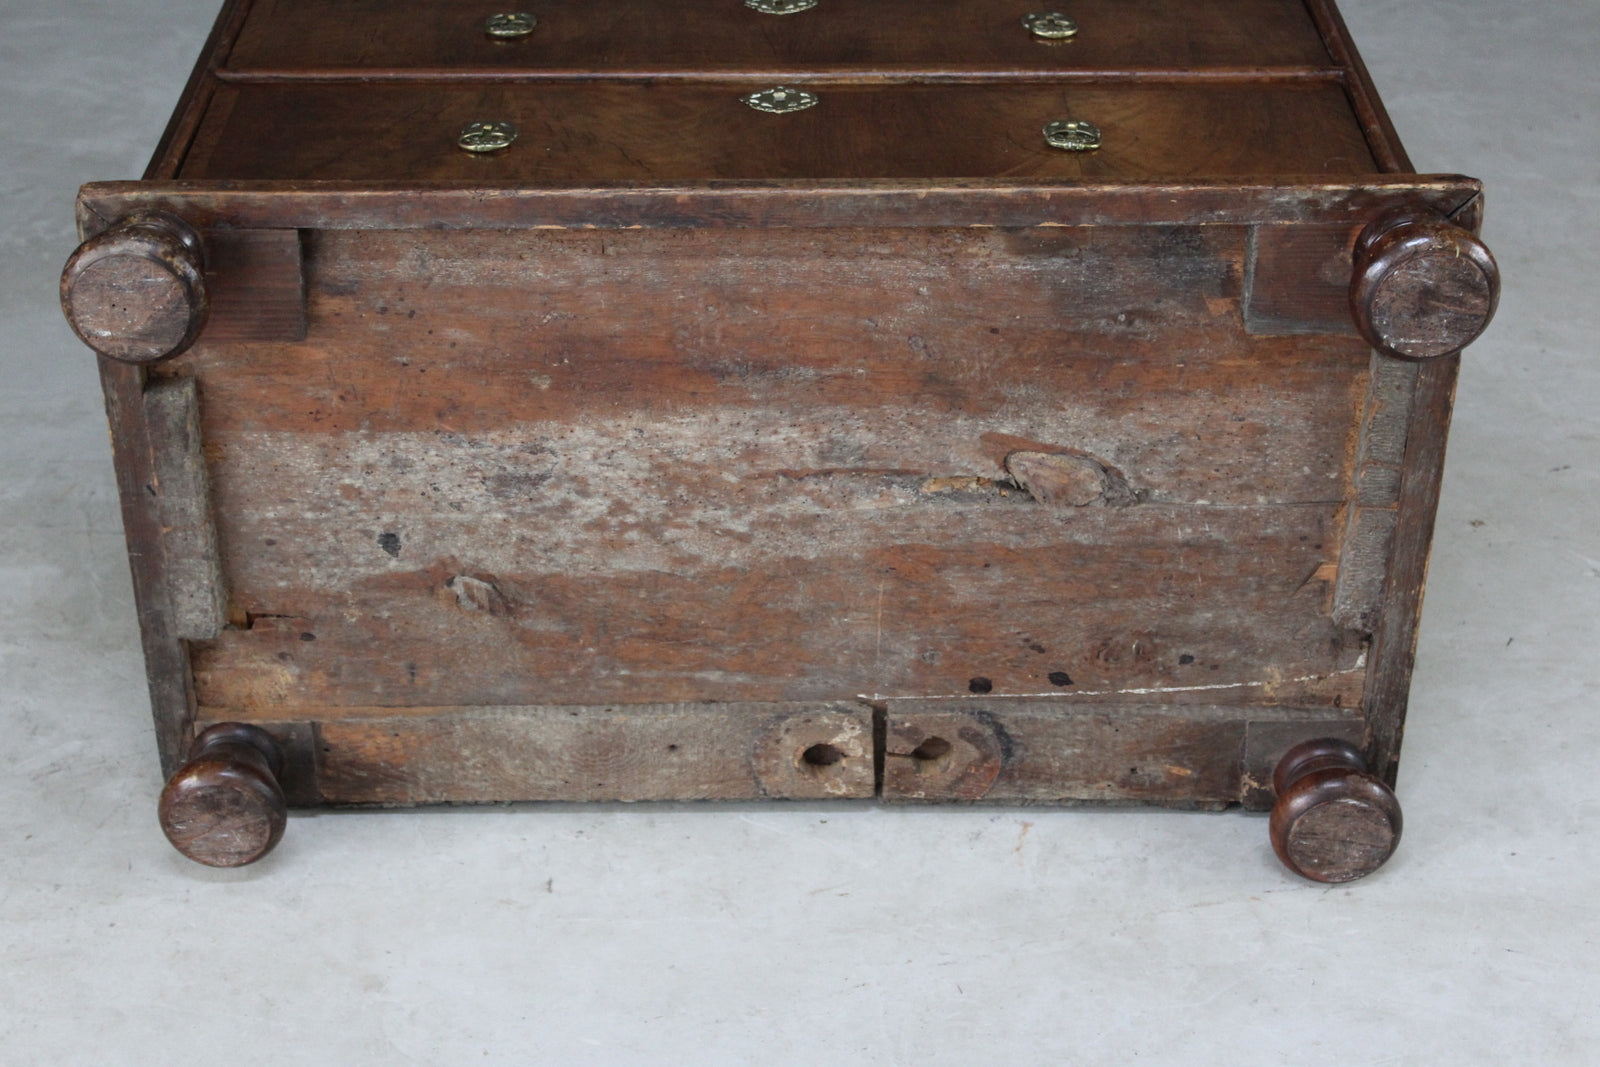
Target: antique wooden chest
x: 735, y: 399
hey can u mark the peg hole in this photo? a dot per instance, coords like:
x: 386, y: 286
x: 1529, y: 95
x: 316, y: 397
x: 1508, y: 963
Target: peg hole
x: 934, y: 748
x: 821, y: 755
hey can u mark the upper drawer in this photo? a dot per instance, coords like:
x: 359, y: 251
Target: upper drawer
x: 841, y: 38
x: 583, y: 132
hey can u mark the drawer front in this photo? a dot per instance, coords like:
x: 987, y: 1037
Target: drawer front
x: 858, y: 38
x: 619, y: 131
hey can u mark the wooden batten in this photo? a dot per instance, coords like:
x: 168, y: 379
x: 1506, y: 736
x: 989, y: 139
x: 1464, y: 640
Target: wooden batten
x: 182, y: 491
x: 256, y: 283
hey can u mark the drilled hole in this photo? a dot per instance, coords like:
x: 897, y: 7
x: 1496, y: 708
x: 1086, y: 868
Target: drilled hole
x: 931, y: 749
x: 821, y: 755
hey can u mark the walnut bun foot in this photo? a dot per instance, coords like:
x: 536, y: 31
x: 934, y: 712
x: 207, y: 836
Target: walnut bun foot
x: 136, y: 293
x: 1333, y: 820
x: 225, y: 807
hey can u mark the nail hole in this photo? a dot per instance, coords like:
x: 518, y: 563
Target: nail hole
x: 931, y: 749
x: 1060, y: 678
x: 1186, y: 659
x: 980, y: 685
x: 822, y: 755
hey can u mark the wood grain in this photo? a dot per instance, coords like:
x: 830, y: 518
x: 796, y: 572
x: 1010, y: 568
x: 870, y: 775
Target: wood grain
x: 1041, y: 752
x: 694, y: 38
x: 613, y: 131
x: 477, y: 755
x: 634, y: 484
x: 390, y: 204
x: 256, y: 283
x: 183, y: 501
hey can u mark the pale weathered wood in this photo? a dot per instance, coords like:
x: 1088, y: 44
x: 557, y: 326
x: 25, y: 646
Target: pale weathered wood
x: 182, y: 489
x: 1394, y: 642
x: 473, y: 755
x: 903, y: 601
x: 1368, y: 538
x: 1035, y: 751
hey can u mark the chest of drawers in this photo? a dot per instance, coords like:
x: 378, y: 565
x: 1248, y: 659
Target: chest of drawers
x: 723, y: 400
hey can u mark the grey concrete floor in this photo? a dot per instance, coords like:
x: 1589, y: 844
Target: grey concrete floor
x: 808, y: 934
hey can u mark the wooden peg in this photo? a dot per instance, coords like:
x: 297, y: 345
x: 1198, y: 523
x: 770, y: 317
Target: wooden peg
x: 1423, y: 287
x: 1333, y: 821
x: 136, y: 292
x: 225, y: 807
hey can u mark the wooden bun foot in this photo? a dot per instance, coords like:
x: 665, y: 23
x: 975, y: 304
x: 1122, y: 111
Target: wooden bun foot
x: 136, y: 292
x: 224, y: 807
x: 1333, y: 821
x: 1423, y: 287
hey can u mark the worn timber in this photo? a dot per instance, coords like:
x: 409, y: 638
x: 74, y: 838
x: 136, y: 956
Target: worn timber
x: 683, y: 451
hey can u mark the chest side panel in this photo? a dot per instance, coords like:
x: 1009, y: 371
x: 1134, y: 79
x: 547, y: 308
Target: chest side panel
x: 534, y: 468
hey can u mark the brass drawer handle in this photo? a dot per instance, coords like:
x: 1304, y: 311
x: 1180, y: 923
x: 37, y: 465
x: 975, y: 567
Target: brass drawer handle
x: 1072, y: 135
x: 1050, y: 25
x: 509, y: 25
x: 780, y: 100
x: 483, y: 137
x: 780, y: 7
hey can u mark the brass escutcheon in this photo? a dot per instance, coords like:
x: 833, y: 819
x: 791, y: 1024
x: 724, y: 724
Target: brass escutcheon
x: 780, y: 7
x: 510, y: 24
x: 1050, y: 25
x: 1072, y: 135
x: 780, y: 100
x: 487, y: 136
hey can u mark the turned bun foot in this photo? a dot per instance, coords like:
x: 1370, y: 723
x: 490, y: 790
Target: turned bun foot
x: 224, y: 807
x: 136, y: 292
x: 1333, y: 820
x: 1423, y: 287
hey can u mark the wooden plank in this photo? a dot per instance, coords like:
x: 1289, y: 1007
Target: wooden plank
x: 887, y: 38
x: 166, y: 655
x: 640, y: 495
x: 1368, y: 538
x: 622, y: 131
x: 1394, y: 643
x: 478, y: 755
x: 256, y: 286
x: 1024, y: 751
x: 900, y: 354
x: 182, y: 492
x: 386, y: 204
x: 926, y: 599
x: 1297, y: 280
